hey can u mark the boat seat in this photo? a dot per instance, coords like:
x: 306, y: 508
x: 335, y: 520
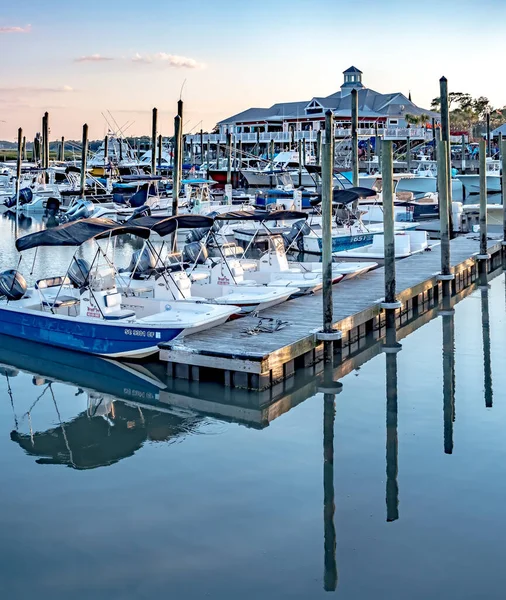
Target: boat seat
x: 44, y: 284
x: 248, y: 266
x: 199, y: 276
x: 118, y: 315
x: 114, y: 301
x: 60, y: 301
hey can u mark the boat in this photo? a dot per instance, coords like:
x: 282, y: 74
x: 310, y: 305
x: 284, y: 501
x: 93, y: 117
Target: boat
x: 192, y: 274
x: 407, y: 243
x: 493, y: 173
x: 84, y: 311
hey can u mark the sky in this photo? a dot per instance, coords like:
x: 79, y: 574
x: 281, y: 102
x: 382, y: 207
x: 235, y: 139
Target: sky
x: 95, y: 61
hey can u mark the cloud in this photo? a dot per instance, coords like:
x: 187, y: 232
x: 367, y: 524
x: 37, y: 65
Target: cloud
x: 93, y: 58
x: 171, y: 60
x: 26, y: 89
x: 12, y: 29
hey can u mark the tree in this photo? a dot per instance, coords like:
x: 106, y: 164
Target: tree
x: 463, y: 100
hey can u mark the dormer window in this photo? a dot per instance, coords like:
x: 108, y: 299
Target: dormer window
x: 313, y: 108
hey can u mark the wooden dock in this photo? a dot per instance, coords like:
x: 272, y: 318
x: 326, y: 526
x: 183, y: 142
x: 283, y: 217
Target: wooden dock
x: 237, y: 355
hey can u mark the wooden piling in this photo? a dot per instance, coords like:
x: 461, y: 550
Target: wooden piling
x: 442, y: 174
x: 208, y: 157
x: 299, y: 149
x: 488, y: 134
x: 445, y: 135
x: 319, y: 147
x: 388, y: 226
x: 229, y: 157
x: 354, y: 136
x: 201, y: 146
x: 483, y: 255
x: 180, y: 114
x: 434, y: 140
x: 154, y: 131
x: 408, y: 153
x: 106, y: 151
x: 62, y: 149
x: 19, y: 159
x: 84, y: 159
x: 327, y: 197
x: 160, y: 149
x: 176, y: 170
x: 23, y: 152
x: 503, y: 182
x: 463, y: 158
x: 448, y: 378
x: 46, y: 140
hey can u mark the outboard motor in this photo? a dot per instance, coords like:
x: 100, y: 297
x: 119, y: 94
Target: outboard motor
x: 12, y: 285
x: 52, y: 206
x: 298, y: 230
x: 142, y: 261
x: 195, y: 252
x: 195, y: 235
x: 25, y: 196
x: 78, y: 272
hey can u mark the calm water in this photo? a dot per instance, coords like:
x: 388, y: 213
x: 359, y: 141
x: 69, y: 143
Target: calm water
x: 117, y: 484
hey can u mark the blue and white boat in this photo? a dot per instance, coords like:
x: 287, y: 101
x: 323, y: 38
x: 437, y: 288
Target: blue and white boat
x: 84, y: 311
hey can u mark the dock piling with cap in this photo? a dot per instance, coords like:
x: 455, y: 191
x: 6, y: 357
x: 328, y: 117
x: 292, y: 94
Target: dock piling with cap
x: 154, y: 127
x: 483, y: 256
x: 354, y: 137
x: 442, y: 177
x: 84, y: 159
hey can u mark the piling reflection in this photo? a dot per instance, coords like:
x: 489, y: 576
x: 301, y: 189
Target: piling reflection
x: 391, y: 348
x: 485, y: 325
x: 448, y: 319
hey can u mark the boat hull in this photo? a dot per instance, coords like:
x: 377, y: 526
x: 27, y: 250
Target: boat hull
x: 113, y: 340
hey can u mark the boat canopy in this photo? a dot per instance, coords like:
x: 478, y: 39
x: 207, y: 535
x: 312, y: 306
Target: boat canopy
x: 338, y: 197
x: 78, y: 232
x: 261, y: 215
x: 197, y: 181
x: 167, y: 225
x: 145, y: 178
x: 363, y: 192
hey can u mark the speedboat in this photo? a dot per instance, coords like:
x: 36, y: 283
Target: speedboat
x: 192, y: 274
x: 84, y: 311
x: 493, y: 178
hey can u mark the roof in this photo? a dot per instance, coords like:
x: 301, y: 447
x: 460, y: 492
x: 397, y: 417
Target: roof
x: 352, y: 70
x: 500, y: 130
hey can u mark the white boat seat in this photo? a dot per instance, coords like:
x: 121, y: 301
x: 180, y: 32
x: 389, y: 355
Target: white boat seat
x: 117, y: 315
x: 249, y: 266
x: 44, y: 284
x: 60, y: 301
x: 199, y: 276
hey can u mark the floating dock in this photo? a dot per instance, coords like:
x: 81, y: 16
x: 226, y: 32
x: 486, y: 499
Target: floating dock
x: 239, y: 354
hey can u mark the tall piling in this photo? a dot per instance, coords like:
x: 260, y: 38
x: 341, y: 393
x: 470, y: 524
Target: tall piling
x: 19, y: 159
x: 445, y: 136
x: 327, y: 196
x: 208, y: 157
x: 229, y: 158
x: 319, y: 147
x: 154, y: 131
x: 442, y: 177
x: 84, y: 159
x: 483, y: 256
x: 408, y: 153
x: 62, y: 149
x: 106, y: 150
x: 176, y: 171
x: 160, y: 149
x: 488, y: 135
x: 23, y: 151
x: 299, y: 149
x: 391, y: 347
x: 448, y: 320
x: 463, y: 157
x: 354, y: 136
x: 201, y: 146
x: 390, y: 303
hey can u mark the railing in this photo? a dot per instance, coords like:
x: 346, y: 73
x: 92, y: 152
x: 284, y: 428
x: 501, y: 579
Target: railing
x: 397, y: 133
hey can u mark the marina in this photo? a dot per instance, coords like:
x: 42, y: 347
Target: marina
x: 252, y: 303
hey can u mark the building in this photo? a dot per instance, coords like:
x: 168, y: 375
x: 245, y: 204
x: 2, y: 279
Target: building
x: 394, y: 115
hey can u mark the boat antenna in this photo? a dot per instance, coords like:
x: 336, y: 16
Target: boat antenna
x: 181, y: 92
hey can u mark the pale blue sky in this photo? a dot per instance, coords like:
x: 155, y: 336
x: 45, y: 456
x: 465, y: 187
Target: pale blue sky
x: 233, y: 55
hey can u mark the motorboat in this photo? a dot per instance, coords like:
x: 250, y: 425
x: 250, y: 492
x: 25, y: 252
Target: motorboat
x: 407, y: 243
x: 83, y: 309
x: 192, y: 274
x: 493, y: 178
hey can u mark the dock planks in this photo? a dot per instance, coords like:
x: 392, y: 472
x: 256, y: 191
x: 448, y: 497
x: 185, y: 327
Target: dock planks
x: 270, y: 355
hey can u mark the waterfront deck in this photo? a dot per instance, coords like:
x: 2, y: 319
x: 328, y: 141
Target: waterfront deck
x: 239, y: 357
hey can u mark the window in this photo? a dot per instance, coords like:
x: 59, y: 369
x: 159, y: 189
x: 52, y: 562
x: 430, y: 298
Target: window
x: 393, y: 121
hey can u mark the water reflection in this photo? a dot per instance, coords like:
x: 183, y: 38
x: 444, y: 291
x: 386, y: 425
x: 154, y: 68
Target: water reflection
x: 485, y: 327
x: 448, y: 320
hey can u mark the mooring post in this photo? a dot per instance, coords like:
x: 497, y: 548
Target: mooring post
x: 299, y: 148
x: 176, y: 170
x: 19, y: 159
x: 259, y: 151
x: 488, y: 134
x: 201, y: 146
x: 483, y: 256
x: 208, y: 156
x: 23, y: 153
x: 160, y: 149
x: 446, y: 275
x: 408, y: 153
x: 35, y: 154
x: 319, y: 147
x: 46, y: 140
x: 154, y: 127
x: 106, y: 152
x: 434, y: 140
x: 229, y: 158
x: 42, y: 143
x: 463, y: 157
x: 445, y: 135
x: 354, y: 136
x: 84, y: 159
x: 218, y: 152
x: 329, y: 335
x: 390, y: 303
x: 62, y: 149
x: 180, y: 109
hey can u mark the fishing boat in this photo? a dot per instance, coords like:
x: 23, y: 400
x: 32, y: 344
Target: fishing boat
x: 192, y: 274
x: 84, y: 311
x: 493, y: 178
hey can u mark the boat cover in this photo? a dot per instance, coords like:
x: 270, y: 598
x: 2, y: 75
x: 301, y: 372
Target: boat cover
x: 261, y: 215
x: 167, y: 225
x: 78, y: 232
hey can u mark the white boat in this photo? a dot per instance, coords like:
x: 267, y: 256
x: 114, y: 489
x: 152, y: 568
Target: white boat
x: 407, y: 243
x: 220, y: 280
x: 84, y: 311
x: 282, y: 163
x: 493, y: 172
